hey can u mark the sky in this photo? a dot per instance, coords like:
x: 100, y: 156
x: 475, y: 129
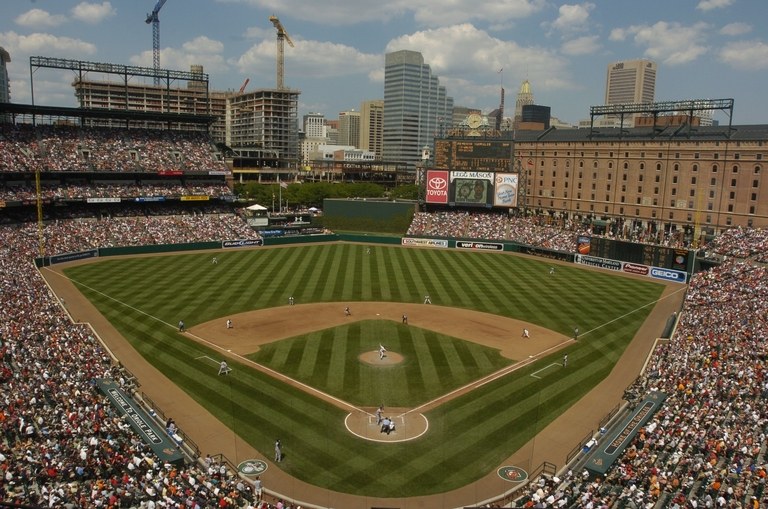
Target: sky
x: 714, y: 49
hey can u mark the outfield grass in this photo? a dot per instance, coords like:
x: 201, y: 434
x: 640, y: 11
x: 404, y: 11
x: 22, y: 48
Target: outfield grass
x: 145, y: 297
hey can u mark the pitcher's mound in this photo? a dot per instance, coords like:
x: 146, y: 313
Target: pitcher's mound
x: 374, y: 359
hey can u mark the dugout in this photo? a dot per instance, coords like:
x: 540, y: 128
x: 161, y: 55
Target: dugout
x: 368, y: 215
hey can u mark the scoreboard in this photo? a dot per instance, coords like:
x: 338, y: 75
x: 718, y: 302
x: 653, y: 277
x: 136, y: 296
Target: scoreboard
x: 645, y: 254
x: 469, y: 154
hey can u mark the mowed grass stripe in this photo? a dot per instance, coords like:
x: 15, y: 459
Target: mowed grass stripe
x: 445, y: 286
x: 494, y: 419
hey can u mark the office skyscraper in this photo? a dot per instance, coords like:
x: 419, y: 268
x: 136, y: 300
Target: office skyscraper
x: 349, y: 128
x: 630, y: 81
x: 314, y: 125
x: 5, y: 82
x: 524, y: 98
x: 371, y: 126
x: 415, y: 105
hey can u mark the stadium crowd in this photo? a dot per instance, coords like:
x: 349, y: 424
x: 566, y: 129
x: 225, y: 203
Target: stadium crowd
x: 55, y: 148
x: 69, y: 191
x: 706, y: 446
x: 742, y: 242
x: 62, y: 445
x: 543, y: 231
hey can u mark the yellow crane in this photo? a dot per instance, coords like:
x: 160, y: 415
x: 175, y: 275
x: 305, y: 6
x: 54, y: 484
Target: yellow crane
x: 282, y: 37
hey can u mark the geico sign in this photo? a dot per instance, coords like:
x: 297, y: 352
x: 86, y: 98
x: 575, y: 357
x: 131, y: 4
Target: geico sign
x: 671, y: 275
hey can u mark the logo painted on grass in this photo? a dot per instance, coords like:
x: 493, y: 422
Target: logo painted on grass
x: 512, y: 474
x: 252, y: 467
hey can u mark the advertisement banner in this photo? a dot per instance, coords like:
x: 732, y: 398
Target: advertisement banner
x: 472, y: 187
x: 505, y: 191
x: 196, y: 197
x: 636, y: 268
x: 170, y: 173
x: 583, y: 245
x: 470, y: 191
x: 70, y: 257
x: 102, y: 200
x: 680, y: 261
x: 668, y: 274
x: 242, y: 243
x: 150, y: 198
x: 437, y: 186
x: 484, y: 246
x: 602, y: 263
x: 410, y: 241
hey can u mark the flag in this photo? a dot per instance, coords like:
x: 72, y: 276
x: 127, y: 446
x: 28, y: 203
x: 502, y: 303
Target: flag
x: 283, y: 185
x: 500, y: 70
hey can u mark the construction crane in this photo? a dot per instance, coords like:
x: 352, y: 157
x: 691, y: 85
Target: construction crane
x: 282, y: 36
x: 245, y: 84
x: 155, y: 20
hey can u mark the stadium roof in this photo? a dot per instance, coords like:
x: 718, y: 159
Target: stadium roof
x: 672, y: 132
x: 91, y: 113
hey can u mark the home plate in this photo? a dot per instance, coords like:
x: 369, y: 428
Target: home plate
x: 378, y: 314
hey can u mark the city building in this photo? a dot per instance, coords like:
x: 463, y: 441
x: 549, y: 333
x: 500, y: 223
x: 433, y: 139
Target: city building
x: 415, y: 105
x: 700, y: 178
x: 332, y: 131
x: 266, y: 121
x: 349, y: 128
x: 524, y: 98
x: 314, y: 125
x: 5, y: 82
x: 371, y: 127
x: 460, y: 114
x: 347, y: 153
x: 630, y: 81
x: 193, y: 99
x: 534, y: 116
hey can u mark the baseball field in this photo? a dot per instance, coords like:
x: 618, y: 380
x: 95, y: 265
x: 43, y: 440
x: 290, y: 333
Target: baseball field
x: 465, y: 389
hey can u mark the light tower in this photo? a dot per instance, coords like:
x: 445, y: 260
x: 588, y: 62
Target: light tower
x: 153, y: 18
x: 282, y: 36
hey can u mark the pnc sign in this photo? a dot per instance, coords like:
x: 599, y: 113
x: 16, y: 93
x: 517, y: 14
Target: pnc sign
x: 437, y: 186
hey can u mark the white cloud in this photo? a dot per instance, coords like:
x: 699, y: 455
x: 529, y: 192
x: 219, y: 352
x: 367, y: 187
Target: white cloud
x: 708, y: 5
x: 586, y: 45
x: 38, y: 18
x: 203, y: 44
x: 573, y: 17
x: 51, y: 87
x: 736, y: 29
x: 258, y: 32
x: 172, y: 58
x: 467, y: 59
x: 93, y: 13
x: 45, y: 44
x: 443, y: 13
x: 745, y: 55
x: 316, y: 59
x: 618, y: 34
x: 669, y: 42
x: 426, y: 12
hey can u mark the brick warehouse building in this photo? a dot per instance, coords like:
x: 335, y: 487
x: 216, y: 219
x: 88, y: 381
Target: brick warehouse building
x: 677, y: 177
